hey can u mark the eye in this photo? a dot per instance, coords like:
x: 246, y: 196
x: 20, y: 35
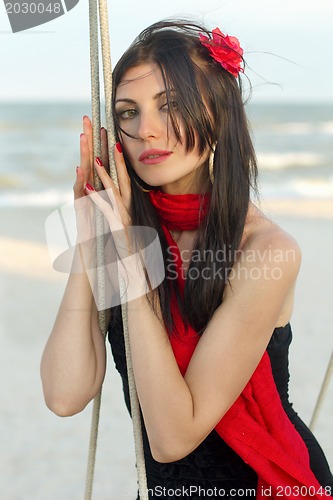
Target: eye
x: 172, y: 104
x: 127, y: 114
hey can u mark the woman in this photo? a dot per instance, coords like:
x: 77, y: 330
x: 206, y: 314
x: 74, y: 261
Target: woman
x: 210, y: 344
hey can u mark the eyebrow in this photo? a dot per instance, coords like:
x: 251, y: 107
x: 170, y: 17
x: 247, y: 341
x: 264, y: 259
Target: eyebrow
x: 132, y: 101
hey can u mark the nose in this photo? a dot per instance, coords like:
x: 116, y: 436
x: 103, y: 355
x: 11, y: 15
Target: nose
x: 150, y: 125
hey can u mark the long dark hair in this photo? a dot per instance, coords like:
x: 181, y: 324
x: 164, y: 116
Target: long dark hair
x: 209, y: 101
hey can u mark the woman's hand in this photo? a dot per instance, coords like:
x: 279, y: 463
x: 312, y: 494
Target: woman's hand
x: 85, y: 219
x: 115, y: 204
x: 128, y: 250
x: 85, y: 171
x: 121, y: 257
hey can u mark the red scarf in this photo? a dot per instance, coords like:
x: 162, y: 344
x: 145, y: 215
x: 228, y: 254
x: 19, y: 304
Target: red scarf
x: 256, y: 426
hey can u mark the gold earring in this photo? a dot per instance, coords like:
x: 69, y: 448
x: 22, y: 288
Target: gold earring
x: 144, y: 190
x: 211, y: 164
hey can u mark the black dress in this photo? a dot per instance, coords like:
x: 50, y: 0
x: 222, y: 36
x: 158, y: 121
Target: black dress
x: 213, y: 469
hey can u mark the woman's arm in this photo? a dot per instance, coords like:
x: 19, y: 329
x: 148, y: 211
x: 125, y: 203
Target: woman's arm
x: 73, y: 362
x: 180, y: 412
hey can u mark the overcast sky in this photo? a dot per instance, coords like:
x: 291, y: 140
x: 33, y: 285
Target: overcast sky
x: 289, y: 42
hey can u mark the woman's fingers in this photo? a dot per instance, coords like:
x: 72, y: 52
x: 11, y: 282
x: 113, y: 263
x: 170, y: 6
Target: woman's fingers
x: 85, y: 162
x: 105, y: 148
x: 86, y: 150
x: 110, y: 212
x: 78, y: 187
x: 120, y: 198
x: 121, y: 233
x: 123, y: 177
x: 113, y: 193
x: 84, y: 173
x: 88, y: 132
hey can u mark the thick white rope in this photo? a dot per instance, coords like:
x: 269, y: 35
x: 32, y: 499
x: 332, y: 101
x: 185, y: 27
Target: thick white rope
x: 322, y: 393
x: 135, y: 407
x: 95, y: 95
x: 95, y: 98
x: 107, y: 74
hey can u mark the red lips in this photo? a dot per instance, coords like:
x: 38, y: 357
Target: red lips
x: 154, y: 156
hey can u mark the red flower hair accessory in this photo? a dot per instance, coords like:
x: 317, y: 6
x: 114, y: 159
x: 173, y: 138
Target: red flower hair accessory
x: 225, y: 49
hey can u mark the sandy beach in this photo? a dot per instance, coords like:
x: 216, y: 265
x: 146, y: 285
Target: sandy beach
x: 43, y: 457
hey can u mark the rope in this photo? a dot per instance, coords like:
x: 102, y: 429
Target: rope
x: 95, y: 95
x: 322, y: 394
x: 135, y: 407
x: 136, y: 418
x: 95, y: 98
x: 107, y: 73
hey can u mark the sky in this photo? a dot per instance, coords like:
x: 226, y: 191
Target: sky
x: 288, y: 46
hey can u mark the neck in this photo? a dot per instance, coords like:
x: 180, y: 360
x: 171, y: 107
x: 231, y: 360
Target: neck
x: 198, y: 183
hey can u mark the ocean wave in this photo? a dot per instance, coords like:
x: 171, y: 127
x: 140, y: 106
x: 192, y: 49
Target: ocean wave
x: 48, y: 198
x: 281, y: 161
x: 314, y: 188
x: 303, y: 128
x: 9, y: 181
x: 297, y: 188
x: 318, y: 187
x: 327, y: 128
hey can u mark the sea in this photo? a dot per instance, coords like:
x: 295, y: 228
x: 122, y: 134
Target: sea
x: 39, y: 144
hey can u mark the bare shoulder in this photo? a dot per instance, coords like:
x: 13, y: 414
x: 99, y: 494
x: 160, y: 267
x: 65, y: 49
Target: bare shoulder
x: 264, y: 273
x: 268, y: 243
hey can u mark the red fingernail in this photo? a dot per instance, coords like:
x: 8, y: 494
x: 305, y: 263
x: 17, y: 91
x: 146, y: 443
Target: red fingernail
x: 119, y: 148
x: 89, y: 187
x: 77, y: 169
x: 81, y: 135
x: 99, y: 161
